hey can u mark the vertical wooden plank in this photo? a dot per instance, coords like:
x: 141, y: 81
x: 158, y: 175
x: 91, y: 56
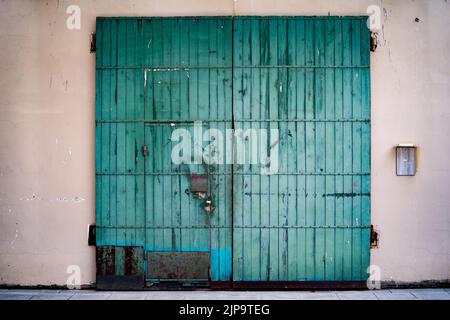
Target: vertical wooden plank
x: 129, y: 157
x: 99, y: 30
x: 147, y: 39
x: 167, y: 198
x: 283, y: 147
x: 309, y: 42
x: 255, y: 43
x: 347, y: 146
x: 292, y: 205
x: 356, y: 150
x: 184, y: 34
x: 158, y: 191
x: 176, y: 111
x: 319, y: 42
x: 203, y: 42
x: 364, y: 44
x: 273, y: 91
x: 292, y: 151
x: 247, y: 245
x: 319, y: 113
x: 166, y: 183
x: 365, y: 169
x: 238, y: 188
x: 149, y: 236
x: 111, y: 236
x: 193, y: 73
x: 301, y: 233
x: 329, y: 151
x: 140, y: 166
x: 105, y: 185
x: 339, y: 160
x: 156, y: 43
x: 149, y: 192
x: 265, y: 179
x: 167, y: 42
x: 140, y: 137
x: 248, y: 187
x: 105, y: 132
x: 98, y: 183
x: 203, y: 74
x: 255, y: 237
x: 105, y: 52
x: 204, y: 104
x: 175, y: 76
x: 213, y: 73
x: 274, y: 243
x: 184, y: 105
x: 224, y: 107
x: 282, y: 44
x: 98, y: 130
x: 300, y: 57
x: 121, y: 131
x: 310, y: 169
x: 130, y: 161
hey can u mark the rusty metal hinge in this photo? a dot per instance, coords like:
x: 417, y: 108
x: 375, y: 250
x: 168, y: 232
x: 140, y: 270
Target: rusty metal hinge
x: 373, y: 238
x: 144, y: 151
x: 373, y: 41
x: 93, y: 43
x: 92, y: 239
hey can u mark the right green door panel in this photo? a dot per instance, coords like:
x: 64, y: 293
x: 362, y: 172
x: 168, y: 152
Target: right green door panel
x: 309, y: 78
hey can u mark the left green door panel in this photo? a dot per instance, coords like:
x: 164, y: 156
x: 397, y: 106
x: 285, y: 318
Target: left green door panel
x: 155, y: 75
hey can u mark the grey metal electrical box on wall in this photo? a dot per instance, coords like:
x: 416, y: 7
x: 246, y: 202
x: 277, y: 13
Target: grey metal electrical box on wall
x: 406, y: 155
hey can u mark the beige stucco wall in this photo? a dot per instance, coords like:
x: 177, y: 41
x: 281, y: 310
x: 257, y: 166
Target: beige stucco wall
x: 47, y: 86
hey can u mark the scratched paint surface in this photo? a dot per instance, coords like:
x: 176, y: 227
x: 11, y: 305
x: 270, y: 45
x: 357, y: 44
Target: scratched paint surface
x: 308, y: 77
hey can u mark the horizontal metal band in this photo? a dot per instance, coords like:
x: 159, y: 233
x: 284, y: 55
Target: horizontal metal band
x: 170, y: 122
x: 235, y: 227
x: 255, y: 66
x: 229, y: 173
x: 238, y: 18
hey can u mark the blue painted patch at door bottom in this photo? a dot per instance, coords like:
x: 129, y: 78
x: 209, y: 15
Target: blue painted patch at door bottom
x: 221, y: 264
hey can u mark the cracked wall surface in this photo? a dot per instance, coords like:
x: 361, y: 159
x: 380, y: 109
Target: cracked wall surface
x: 47, y: 104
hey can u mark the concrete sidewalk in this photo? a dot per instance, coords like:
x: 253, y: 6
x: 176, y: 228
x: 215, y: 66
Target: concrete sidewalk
x: 393, y: 294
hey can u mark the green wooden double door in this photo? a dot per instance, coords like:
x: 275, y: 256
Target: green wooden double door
x: 308, y: 78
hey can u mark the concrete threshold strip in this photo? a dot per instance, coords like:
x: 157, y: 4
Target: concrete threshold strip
x: 384, y: 294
